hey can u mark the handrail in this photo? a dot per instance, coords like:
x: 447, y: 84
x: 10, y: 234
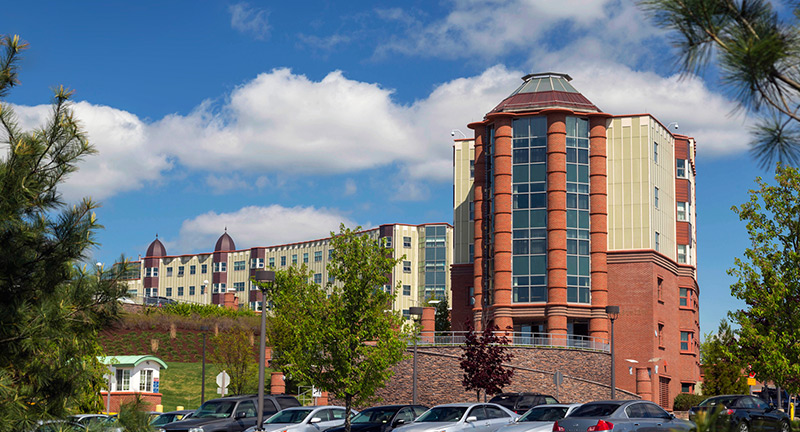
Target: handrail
x: 520, y: 339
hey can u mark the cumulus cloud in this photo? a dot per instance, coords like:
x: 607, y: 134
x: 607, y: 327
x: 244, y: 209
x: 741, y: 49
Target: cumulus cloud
x: 258, y: 226
x: 249, y: 20
x: 125, y: 160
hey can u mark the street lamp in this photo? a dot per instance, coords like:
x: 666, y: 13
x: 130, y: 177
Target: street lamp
x: 264, y: 277
x: 204, y: 329
x: 613, y: 314
x: 414, y: 310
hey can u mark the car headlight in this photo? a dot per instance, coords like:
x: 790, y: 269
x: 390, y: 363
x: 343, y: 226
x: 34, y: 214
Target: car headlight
x: 195, y: 429
x: 160, y: 430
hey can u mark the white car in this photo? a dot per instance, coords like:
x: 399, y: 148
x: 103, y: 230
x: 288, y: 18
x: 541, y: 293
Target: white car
x: 540, y: 418
x: 304, y: 419
x: 462, y: 417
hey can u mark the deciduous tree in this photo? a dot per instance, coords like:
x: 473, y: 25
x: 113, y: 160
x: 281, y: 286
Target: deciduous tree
x: 756, y: 53
x: 724, y: 368
x: 51, y: 306
x: 768, y: 280
x: 340, y: 338
x: 233, y: 352
x: 482, y: 361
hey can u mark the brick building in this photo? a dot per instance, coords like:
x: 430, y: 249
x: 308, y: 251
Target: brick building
x: 560, y: 210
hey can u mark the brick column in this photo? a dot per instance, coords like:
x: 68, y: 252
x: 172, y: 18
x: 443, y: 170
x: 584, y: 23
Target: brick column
x: 478, y: 186
x: 598, y: 226
x: 322, y: 399
x: 644, y: 386
x: 501, y: 241
x: 276, y: 383
x: 428, y: 322
x: 557, y: 224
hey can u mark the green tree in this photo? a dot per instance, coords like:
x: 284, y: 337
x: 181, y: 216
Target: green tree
x: 756, y: 54
x: 233, y: 353
x: 769, y: 281
x: 442, y: 319
x: 51, y: 308
x: 339, y: 338
x: 724, y: 369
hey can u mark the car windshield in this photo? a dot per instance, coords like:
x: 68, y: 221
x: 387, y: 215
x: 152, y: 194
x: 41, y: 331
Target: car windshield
x: 442, y: 414
x: 374, y: 415
x: 595, y: 410
x: 215, y: 409
x: 711, y: 402
x: 544, y: 413
x: 289, y: 416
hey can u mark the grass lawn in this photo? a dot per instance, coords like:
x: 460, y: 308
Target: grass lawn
x: 179, y: 384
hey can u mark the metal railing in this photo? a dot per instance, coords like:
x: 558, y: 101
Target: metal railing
x: 520, y: 339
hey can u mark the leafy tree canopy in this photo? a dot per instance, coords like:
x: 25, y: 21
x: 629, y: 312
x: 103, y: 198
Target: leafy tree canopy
x: 756, y: 54
x: 340, y: 338
x: 482, y: 361
x: 724, y: 369
x: 769, y: 280
x: 51, y: 308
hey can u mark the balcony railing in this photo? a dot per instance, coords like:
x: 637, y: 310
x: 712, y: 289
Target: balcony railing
x: 521, y: 339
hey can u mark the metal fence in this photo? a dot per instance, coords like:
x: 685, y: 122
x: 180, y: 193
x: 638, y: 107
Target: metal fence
x: 546, y: 340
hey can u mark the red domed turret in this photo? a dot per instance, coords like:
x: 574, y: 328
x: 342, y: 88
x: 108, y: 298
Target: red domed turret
x: 546, y: 90
x: 225, y: 243
x: 156, y: 249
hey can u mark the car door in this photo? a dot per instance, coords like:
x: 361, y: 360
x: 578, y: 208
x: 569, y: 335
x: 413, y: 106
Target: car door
x: 406, y: 415
x: 638, y: 419
x: 481, y: 423
x: 249, y: 417
x: 663, y: 420
x: 769, y: 418
x: 336, y: 417
x: 497, y: 418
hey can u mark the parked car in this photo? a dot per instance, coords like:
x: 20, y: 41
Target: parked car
x: 89, y: 420
x: 740, y: 413
x: 158, y: 301
x: 622, y: 416
x: 306, y: 419
x: 770, y: 395
x: 472, y: 417
x: 540, y: 418
x: 521, y: 402
x: 383, y: 418
x: 59, y: 426
x: 230, y: 414
x: 169, y: 417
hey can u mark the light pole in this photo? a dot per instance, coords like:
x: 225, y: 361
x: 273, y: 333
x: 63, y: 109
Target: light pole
x: 263, y: 277
x: 414, y: 310
x: 613, y: 314
x: 204, y: 329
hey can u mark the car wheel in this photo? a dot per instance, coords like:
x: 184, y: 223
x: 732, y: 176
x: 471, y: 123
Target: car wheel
x: 785, y: 426
x: 743, y: 427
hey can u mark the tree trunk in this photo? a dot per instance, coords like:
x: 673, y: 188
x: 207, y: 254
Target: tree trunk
x: 348, y: 400
x: 478, y: 396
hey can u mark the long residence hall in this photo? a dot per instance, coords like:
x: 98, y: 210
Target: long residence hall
x: 223, y: 276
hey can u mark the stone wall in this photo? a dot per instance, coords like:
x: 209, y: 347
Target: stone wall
x: 586, y: 376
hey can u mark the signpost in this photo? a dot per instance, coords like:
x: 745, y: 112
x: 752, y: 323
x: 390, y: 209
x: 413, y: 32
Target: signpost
x: 223, y: 379
x: 558, y: 378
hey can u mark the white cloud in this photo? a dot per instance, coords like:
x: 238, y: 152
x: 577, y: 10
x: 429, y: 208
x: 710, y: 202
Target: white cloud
x: 125, y: 160
x: 249, y: 20
x: 258, y: 226
x: 221, y: 184
x: 350, y: 187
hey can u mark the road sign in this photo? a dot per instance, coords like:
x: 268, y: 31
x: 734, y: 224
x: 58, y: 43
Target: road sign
x: 155, y: 385
x: 223, y: 379
x: 558, y: 378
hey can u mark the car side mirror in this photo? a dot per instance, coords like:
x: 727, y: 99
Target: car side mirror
x: 315, y: 420
x: 399, y: 422
x: 471, y: 419
x: 240, y: 414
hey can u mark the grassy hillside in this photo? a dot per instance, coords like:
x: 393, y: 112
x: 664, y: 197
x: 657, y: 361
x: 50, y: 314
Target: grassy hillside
x: 180, y: 385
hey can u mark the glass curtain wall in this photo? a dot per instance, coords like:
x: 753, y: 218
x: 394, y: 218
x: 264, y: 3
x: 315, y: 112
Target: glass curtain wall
x: 578, y: 290
x: 530, y: 210
x: 435, y: 261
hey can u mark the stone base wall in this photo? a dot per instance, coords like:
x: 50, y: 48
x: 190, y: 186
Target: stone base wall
x: 586, y: 376
x: 118, y: 398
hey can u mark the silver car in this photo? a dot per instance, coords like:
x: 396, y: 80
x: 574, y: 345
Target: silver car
x: 461, y: 417
x: 622, y: 416
x: 540, y: 418
x: 305, y: 419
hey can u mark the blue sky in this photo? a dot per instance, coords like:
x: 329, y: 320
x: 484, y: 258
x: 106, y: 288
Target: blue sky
x: 278, y: 120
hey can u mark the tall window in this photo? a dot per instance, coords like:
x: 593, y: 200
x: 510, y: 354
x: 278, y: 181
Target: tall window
x: 435, y: 261
x: 655, y: 152
x: 683, y: 211
x: 680, y: 168
x: 169, y: 291
x: 192, y: 269
x: 660, y: 334
x: 191, y: 290
x: 655, y: 196
x: 683, y: 254
x: 123, y: 379
x: 238, y: 265
x: 578, y: 290
x: 318, y: 256
x: 684, y: 296
x: 239, y: 286
x: 146, y: 380
x: 305, y: 257
x: 283, y: 260
x: 204, y: 268
x: 406, y: 242
x: 180, y: 271
x: 406, y: 266
x: 529, y: 183
x: 472, y: 210
x: 294, y: 258
x: 272, y: 261
x: 686, y: 340
x: 180, y: 291
x: 406, y: 290
x: 169, y: 271
x: 220, y: 267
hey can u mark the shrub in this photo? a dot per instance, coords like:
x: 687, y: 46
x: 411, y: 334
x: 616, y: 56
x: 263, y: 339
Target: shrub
x: 684, y: 401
